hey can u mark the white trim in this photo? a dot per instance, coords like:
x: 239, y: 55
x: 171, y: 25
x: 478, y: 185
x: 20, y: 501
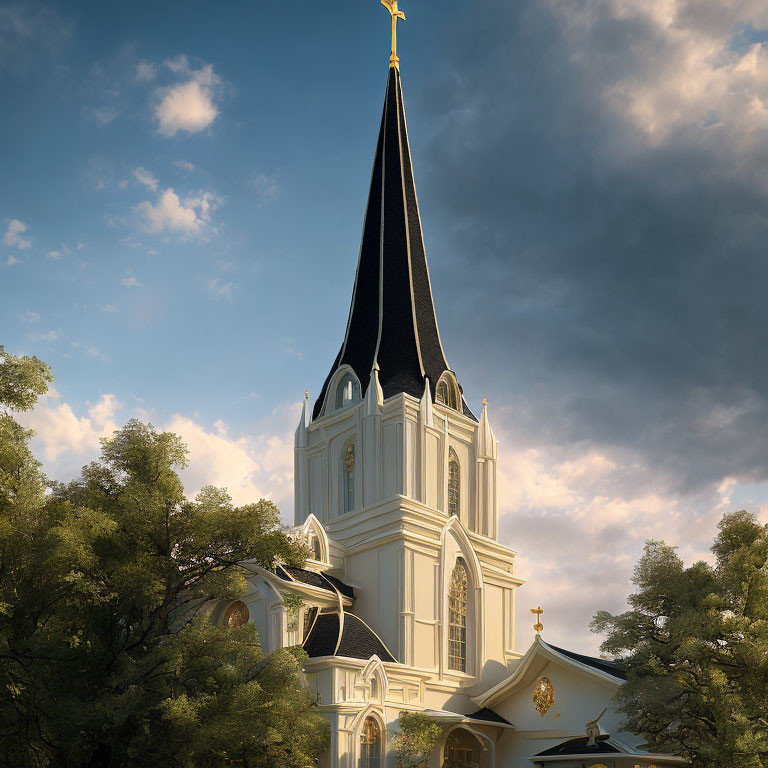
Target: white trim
x: 421, y: 232
x: 539, y: 648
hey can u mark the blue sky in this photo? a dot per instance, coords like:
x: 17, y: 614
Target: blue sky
x: 181, y: 207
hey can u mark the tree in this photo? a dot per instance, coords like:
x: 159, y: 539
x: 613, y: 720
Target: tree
x: 695, y: 644
x: 108, y: 653
x: 416, y: 739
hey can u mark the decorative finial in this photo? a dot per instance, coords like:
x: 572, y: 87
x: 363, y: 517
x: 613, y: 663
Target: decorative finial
x: 485, y: 402
x: 391, y: 6
x: 538, y: 626
x: 593, y: 729
x: 306, y: 394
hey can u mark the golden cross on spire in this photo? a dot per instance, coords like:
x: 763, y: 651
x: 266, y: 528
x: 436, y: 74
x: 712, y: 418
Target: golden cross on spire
x: 391, y: 6
x: 538, y: 626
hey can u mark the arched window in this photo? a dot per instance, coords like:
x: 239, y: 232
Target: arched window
x: 458, y: 598
x: 314, y: 544
x: 348, y: 391
x: 446, y: 393
x: 462, y: 750
x: 236, y: 615
x: 454, y: 483
x: 348, y: 477
x: 370, y: 744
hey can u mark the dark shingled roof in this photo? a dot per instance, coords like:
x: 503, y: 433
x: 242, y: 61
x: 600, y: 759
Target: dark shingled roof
x: 489, y: 716
x: 392, y: 316
x: 322, y: 638
x: 314, y: 579
x: 358, y: 640
x: 579, y: 747
x: 614, y: 668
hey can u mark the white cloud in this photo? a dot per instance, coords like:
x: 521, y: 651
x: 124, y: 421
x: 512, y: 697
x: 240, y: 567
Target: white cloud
x: 50, y: 336
x: 30, y: 317
x: 221, y: 289
x: 107, y: 308
x: 104, y: 115
x: 145, y: 71
x: 14, y: 236
x: 130, y: 282
x: 187, y: 218
x: 185, y: 165
x: 91, y: 351
x: 55, y: 255
x: 266, y: 188
x: 697, y: 76
x: 13, y: 260
x: 143, y: 176
x: 190, y: 105
x: 579, y: 519
x: 250, y: 467
x: 60, y: 433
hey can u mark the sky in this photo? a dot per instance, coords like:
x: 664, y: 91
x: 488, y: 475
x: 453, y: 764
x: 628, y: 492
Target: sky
x: 182, y: 197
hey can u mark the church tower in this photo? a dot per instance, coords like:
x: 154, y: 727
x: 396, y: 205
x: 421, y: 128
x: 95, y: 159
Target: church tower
x: 391, y: 461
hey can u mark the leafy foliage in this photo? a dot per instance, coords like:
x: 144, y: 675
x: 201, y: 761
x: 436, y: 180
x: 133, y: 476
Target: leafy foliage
x: 696, y: 648
x: 416, y: 739
x: 108, y: 652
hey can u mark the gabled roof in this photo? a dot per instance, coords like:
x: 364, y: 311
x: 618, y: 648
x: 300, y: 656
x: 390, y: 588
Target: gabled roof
x: 536, y: 657
x: 344, y: 634
x: 581, y: 746
x: 392, y: 318
x: 615, y: 668
x: 314, y: 579
x: 488, y: 716
x: 605, y: 747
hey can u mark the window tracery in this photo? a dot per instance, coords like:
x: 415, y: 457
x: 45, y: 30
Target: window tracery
x: 348, y: 477
x: 236, y: 615
x: 461, y: 750
x: 370, y: 744
x: 458, y: 600
x: 446, y: 392
x: 454, y: 483
x: 347, y: 391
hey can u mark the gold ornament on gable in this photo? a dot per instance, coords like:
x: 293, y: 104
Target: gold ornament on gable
x: 543, y: 696
x: 349, y: 458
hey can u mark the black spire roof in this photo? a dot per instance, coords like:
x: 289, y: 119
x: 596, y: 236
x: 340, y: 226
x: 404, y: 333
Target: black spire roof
x: 392, y: 317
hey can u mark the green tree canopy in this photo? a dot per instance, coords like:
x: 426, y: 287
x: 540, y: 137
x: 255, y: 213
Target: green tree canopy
x: 695, y: 643
x: 108, y: 654
x: 416, y: 739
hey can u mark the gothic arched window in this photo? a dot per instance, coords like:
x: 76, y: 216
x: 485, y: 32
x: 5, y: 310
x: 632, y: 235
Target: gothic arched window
x: 236, y: 615
x: 314, y: 544
x: 370, y: 744
x: 348, y: 477
x: 462, y: 750
x: 347, y: 391
x: 446, y: 392
x: 458, y: 600
x: 454, y: 483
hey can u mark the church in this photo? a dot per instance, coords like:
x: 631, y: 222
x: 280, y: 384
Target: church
x: 408, y: 598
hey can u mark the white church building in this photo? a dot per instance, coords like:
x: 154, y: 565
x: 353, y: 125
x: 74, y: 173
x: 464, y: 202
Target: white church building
x: 409, y: 598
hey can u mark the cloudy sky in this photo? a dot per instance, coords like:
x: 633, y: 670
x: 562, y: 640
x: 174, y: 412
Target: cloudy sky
x: 181, y: 207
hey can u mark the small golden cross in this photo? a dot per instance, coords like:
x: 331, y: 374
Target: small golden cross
x: 391, y: 6
x: 538, y: 626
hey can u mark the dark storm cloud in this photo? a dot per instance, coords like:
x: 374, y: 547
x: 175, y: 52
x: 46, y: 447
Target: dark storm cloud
x: 614, y: 278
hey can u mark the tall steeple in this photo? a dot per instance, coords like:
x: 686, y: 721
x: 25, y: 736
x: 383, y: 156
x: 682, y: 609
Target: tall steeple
x: 392, y: 319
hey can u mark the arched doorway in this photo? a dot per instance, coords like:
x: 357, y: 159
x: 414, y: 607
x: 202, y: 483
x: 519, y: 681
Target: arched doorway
x: 463, y: 750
